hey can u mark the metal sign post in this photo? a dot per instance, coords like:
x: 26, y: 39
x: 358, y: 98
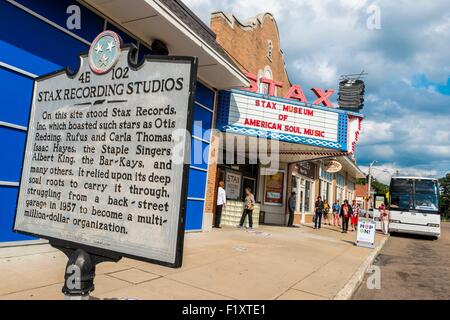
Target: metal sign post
x: 79, y: 274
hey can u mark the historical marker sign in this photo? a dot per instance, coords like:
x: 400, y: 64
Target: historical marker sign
x: 104, y: 163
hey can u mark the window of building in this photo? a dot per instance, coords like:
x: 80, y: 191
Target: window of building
x: 264, y: 87
x: 308, y: 190
x: 269, y: 50
x: 340, y: 184
x: 326, y: 179
x: 351, y: 191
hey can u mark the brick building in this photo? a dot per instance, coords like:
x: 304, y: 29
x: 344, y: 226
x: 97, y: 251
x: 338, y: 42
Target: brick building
x: 361, y: 191
x: 254, y: 45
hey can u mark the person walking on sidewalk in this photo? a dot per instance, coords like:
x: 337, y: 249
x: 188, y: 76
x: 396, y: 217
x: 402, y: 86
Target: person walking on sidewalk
x: 249, y: 204
x: 319, y: 211
x: 326, y: 213
x: 346, y: 213
x: 354, y: 218
x: 336, y: 212
x: 291, y: 207
x: 384, y: 217
x: 221, y: 203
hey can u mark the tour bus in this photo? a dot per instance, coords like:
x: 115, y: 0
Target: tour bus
x: 414, y: 206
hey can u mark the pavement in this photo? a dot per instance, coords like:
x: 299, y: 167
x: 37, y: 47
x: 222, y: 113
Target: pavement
x: 412, y: 267
x: 270, y: 263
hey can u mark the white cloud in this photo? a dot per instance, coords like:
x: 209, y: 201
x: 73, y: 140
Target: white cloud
x: 376, y: 132
x: 317, y: 69
x: 405, y: 125
x: 384, y: 172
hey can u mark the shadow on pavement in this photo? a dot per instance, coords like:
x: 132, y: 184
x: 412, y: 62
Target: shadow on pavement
x: 411, y: 236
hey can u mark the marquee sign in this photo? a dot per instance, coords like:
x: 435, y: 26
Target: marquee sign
x: 255, y: 114
x: 100, y: 169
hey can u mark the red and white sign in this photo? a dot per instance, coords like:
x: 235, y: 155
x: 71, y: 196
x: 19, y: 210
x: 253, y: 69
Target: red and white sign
x: 283, y: 118
x: 354, y: 128
x: 295, y: 92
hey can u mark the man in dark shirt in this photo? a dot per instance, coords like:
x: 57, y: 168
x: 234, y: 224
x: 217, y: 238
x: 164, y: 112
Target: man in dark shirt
x: 291, y: 207
x: 319, y: 212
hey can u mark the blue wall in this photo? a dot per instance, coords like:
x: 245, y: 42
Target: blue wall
x: 36, y: 47
x: 203, y: 117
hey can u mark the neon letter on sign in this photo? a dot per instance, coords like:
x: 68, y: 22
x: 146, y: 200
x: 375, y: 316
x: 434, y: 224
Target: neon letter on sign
x: 296, y: 93
x: 323, y: 96
x: 253, y: 82
x: 272, y: 84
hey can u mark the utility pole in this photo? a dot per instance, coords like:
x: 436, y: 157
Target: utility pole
x: 369, y: 188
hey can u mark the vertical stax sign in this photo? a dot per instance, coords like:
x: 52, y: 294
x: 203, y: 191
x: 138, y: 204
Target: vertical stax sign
x: 104, y: 167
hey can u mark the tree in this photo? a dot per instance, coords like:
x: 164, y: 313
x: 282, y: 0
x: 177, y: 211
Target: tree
x: 444, y: 184
x: 377, y: 186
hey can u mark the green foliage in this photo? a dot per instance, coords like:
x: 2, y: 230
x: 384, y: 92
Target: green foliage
x: 444, y: 184
x: 377, y: 186
x: 362, y: 181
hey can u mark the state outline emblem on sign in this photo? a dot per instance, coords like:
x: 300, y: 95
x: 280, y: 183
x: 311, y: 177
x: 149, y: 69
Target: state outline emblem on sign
x: 104, y: 52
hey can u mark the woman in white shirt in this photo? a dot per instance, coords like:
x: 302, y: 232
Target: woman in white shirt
x: 384, y: 217
x: 221, y: 203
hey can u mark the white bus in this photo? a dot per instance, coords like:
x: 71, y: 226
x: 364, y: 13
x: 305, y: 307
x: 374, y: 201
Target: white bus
x: 414, y: 206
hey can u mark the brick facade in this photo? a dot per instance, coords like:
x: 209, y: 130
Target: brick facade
x: 247, y: 43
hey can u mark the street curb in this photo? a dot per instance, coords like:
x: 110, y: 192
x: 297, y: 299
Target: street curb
x: 349, y: 289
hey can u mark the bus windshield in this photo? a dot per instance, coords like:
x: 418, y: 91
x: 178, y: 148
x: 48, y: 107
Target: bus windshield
x: 414, y: 194
x: 426, y: 195
x: 402, y: 194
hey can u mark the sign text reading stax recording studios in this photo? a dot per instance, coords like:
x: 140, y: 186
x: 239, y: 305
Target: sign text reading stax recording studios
x: 99, y: 166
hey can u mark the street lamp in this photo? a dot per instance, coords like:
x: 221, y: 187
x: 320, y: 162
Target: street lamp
x: 369, y: 191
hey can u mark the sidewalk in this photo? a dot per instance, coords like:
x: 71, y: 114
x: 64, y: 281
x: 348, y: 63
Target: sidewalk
x: 270, y: 263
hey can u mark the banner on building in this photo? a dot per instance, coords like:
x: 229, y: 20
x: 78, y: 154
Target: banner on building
x: 307, y: 169
x: 233, y: 185
x: 104, y: 165
x: 273, y: 193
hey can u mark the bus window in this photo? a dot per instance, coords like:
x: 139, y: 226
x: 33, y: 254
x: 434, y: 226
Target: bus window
x: 401, y: 194
x: 426, y: 195
x: 379, y: 200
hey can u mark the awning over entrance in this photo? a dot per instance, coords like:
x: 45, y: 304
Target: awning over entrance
x: 288, y: 152
x: 301, y: 131
x: 184, y: 34
x: 350, y: 166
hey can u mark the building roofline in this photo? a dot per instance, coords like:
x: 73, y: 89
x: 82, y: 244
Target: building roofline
x: 195, y: 17
x: 355, y: 167
x: 251, y: 24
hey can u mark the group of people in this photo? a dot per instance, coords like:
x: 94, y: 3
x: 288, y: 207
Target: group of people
x: 249, y: 204
x: 339, y: 215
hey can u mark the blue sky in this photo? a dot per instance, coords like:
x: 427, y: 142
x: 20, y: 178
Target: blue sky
x: 407, y: 124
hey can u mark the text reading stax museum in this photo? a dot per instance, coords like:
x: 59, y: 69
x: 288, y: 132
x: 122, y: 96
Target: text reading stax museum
x: 104, y: 151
